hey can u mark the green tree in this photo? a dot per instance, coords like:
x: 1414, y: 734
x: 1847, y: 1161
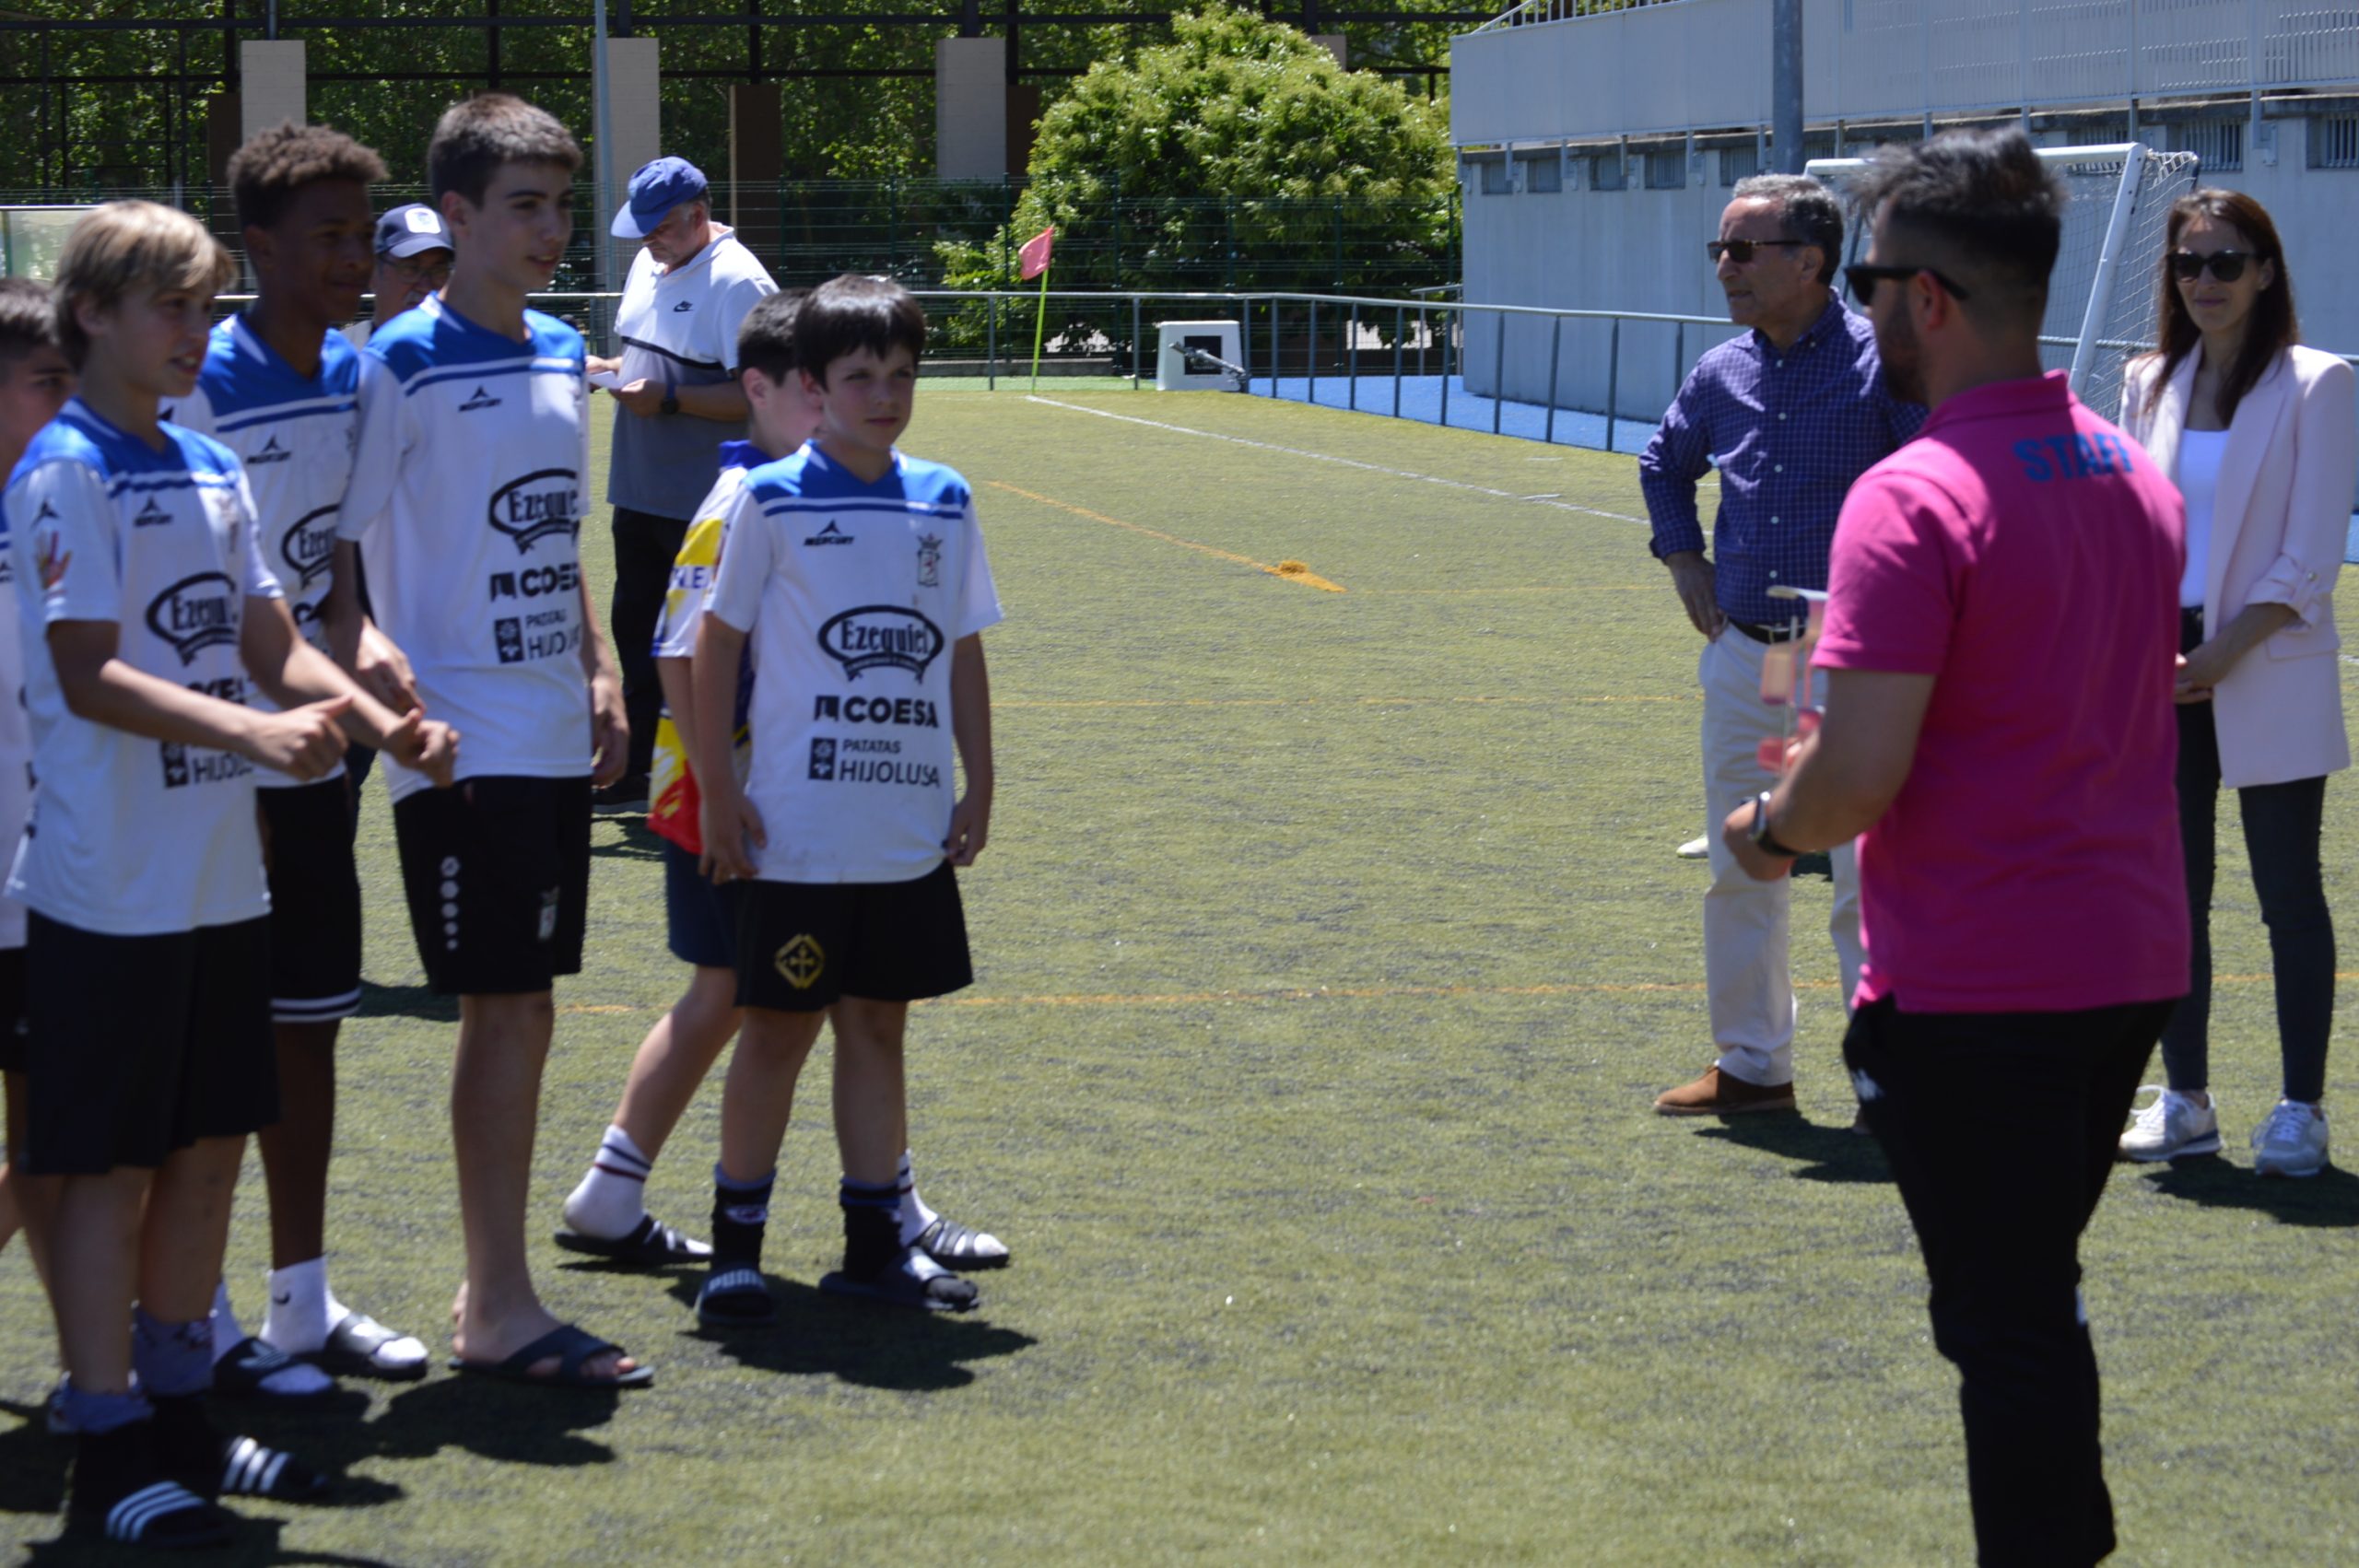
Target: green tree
x: 1238, y: 155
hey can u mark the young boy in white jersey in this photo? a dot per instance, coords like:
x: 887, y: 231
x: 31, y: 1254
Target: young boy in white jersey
x: 35, y: 381
x: 861, y: 575
x: 135, y: 550
x: 467, y: 501
x: 606, y: 1215
x: 280, y: 389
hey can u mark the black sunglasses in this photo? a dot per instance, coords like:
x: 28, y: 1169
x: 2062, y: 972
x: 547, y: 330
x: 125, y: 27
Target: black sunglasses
x: 2226, y: 265
x: 1741, y: 251
x: 1863, y: 279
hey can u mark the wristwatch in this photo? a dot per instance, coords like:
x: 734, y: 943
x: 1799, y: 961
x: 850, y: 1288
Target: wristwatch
x: 1758, y: 830
x: 671, y: 404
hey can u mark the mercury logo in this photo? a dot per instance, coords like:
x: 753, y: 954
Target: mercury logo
x: 195, y: 614
x: 876, y: 634
x: 478, y: 399
x: 271, y: 452
x: 151, y: 515
x: 308, y: 548
x: 541, y: 504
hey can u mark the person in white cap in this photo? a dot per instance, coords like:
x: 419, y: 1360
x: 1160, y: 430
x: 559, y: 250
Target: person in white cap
x: 676, y: 376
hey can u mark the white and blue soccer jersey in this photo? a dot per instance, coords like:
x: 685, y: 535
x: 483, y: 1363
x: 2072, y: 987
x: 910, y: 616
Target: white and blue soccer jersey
x: 131, y: 837
x: 294, y: 436
x: 467, y: 497
x: 854, y: 594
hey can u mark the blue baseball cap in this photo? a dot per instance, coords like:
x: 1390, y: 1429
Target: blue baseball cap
x: 406, y: 231
x: 654, y: 192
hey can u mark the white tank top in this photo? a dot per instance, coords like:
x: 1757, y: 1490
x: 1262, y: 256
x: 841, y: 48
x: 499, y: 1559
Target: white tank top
x: 2199, y: 481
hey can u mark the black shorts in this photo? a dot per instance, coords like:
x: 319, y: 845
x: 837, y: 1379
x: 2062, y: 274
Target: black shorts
x: 498, y: 872
x: 139, y: 1046
x: 12, y: 1010
x: 801, y: 945
x: 315, y: 902
x: 700, y: 914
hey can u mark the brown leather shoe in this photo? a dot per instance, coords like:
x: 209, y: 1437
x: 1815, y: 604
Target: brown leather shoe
x: 1717, y: 1093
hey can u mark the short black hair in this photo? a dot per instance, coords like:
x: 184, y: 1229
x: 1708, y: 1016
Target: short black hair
x: 1985, y: 200
x: 1807, y: 208
x: 766, y: 340
x: 847, y: 314
x: 267, y: 172
x: 476, y: 135
x: 28, y: 319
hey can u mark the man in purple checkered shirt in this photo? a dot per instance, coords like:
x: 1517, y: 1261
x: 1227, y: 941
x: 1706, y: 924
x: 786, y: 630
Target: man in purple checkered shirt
x: 1792, y: 412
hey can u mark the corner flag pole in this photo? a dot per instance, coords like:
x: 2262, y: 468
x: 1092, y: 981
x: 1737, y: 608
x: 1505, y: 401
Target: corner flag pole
x: 1034, y: 259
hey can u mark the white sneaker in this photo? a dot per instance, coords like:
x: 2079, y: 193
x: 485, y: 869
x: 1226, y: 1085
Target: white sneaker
x: 2170, y: 1128
x: 1695, y: 849
x: 2291, y: 1142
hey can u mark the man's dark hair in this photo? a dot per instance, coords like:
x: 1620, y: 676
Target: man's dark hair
x: 267, y: 172
x: 477, y: 134
x: 1808, y: 210
x: 766, y: 340
x: 846, y: 314
x: 28, y: 319
x: 1979, y: 203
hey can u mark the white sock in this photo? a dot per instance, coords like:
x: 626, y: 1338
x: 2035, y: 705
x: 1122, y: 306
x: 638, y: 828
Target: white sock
x: 299, y: 1319
x: 915, y: 1216
x: 611, y: 1199
x: 227, y: 1335
x: 302, y: 1377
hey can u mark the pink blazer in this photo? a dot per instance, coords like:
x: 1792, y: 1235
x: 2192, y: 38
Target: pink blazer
x: 2278, y: 526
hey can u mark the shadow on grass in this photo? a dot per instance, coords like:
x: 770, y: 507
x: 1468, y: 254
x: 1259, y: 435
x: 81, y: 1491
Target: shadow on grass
x: 257, y: 1543
x: 2329, y: 1197
x: 408, y: 1002
x: 638, y: 842
x: 1830, y: 1152
x: 817, y: 1335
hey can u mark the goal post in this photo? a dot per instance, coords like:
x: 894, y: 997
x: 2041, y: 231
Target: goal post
x: 2101, y: 297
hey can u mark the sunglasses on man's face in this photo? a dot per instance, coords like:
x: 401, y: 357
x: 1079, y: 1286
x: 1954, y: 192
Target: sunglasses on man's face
x: 1741, y: 251
x: 1863, y: 279
x: 2226, y: 265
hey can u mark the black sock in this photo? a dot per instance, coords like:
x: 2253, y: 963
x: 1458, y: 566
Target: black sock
x: 872, y: 1227
x: 741, y: 1213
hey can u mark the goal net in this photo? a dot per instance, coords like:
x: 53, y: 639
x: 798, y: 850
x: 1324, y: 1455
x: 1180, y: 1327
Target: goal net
x: 2101, y: 298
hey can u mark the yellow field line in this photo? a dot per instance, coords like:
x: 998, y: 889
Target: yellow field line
x: 1349, y: 993
x: 1289, y: 571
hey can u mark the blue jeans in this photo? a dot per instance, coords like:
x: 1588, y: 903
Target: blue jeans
x: 2282, y: 828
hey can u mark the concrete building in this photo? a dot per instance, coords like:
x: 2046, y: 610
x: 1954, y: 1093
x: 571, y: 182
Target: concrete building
x: 1597, y: 150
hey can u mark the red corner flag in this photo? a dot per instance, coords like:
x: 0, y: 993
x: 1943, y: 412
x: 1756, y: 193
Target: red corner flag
x: 1034, y: 257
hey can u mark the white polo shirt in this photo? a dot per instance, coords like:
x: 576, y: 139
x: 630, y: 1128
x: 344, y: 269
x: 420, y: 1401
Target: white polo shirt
x: 678, y: 327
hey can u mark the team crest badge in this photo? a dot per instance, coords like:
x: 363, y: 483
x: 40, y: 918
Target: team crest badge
x: 929, y: 561
x: 800, y: 960
x: 52, y: 560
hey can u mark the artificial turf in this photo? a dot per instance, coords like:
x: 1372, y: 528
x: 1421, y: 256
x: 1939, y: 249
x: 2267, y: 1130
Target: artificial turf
x: 1331, y: 949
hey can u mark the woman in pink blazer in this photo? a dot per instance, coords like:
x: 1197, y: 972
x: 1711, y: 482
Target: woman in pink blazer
x: 2258, y: 434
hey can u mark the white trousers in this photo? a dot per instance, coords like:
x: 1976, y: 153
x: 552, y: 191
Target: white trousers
x: 1748, y: 968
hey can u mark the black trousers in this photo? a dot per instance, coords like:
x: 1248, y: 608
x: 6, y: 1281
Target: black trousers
x: 2282, y: 825
x: 1999, y: 1191
x: 645, y: 547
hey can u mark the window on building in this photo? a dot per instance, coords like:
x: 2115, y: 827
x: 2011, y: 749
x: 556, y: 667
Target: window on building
x: 1495, y: 178
x: 1739, y: 163
x: 2220, y: 144
x: 1606, y: 173
x: 1544, y: 175
x: 2334, y: 141
x: 1667, y: 170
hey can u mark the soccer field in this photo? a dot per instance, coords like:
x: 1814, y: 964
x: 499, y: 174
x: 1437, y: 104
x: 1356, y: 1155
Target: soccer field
x: 1331, y: 948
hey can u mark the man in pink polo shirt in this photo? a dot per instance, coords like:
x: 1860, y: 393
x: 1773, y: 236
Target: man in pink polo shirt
x: 1998, y: 735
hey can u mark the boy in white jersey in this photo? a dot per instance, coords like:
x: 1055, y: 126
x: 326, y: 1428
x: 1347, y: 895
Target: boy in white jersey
x: 606, y: 1215
x: 280, y: 389
x: 465, y: 503
x: 147, y: 611
x: 35, y: 381
x: 861, y: 573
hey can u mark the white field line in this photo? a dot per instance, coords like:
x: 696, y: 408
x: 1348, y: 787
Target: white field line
x: 1344, y: 462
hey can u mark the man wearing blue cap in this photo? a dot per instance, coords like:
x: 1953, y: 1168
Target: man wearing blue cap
x: 689, y: 289
x: 413, y: 260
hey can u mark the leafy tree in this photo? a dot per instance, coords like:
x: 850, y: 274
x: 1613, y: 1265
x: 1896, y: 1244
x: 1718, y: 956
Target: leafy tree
x: 1238, y: 155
